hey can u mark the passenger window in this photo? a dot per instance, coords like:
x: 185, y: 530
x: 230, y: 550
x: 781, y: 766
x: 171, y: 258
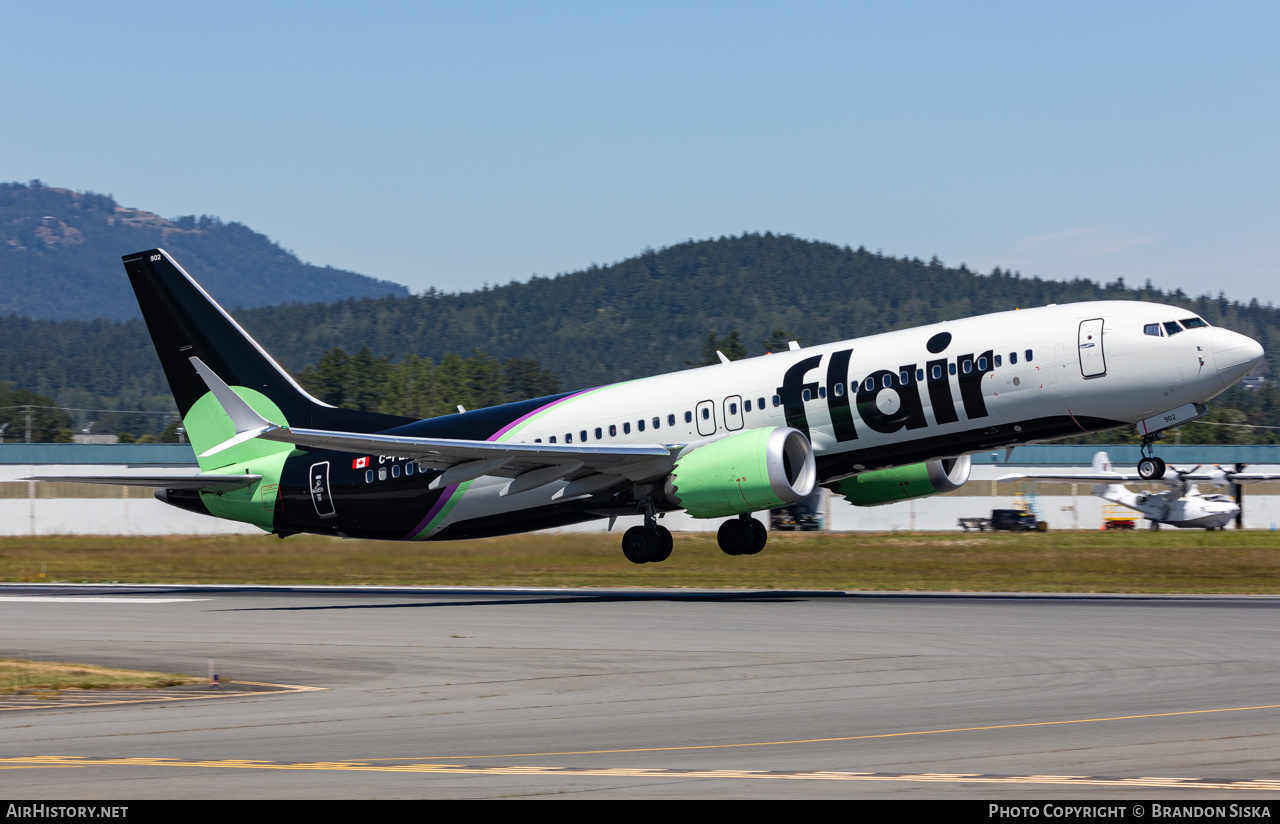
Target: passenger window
x: 582, y: 436
x: 822, y: 392
x: 919, y: 375
x: 368, y: 476
x: 951, y: 368
x: 552, y: 439
x: 1172, y: 327
x: 599, y: 434
x: 777, y: 400
x: 803, y: 396
x: 688, y: 417
x: 887, y: 381
x: 395, y: 470
x: 568, y: 437
x: 760, y: 404
x: 746, y: 405
x: 657, y: 423
x: 640, y: 425
x: 671, y: 420
x: 998, y: 362
x: 1193, y: 323
x: 967, y: 366
x: 537, y: 440
x: 706, y: 413
x: 937, y: 373
x: 733, y: 409
x: 408, y: 468
x: 839, y: 390
x: 626, y: 427
x: 1152, y: 329
x: 1013, y: 358
x: 982, y: 364
x: 905, y: 377
x: 1028, y: 354
x: 613, y: 430
x: 382, y: 473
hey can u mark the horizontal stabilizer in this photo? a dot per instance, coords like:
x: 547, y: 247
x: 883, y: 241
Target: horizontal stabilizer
x: 154, y: 481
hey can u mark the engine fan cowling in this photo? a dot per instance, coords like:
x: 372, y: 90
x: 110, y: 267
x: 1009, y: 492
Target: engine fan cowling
x: 747, y: 472
x: 886, y: 486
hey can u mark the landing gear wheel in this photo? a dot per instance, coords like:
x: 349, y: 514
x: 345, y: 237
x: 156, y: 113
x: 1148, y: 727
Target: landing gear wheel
x: 664, y: 544
x: 1151, y: 469
x: 759, y: 537
x: 734, y: 537
x: 1155, y: 526
x: 640, y: 544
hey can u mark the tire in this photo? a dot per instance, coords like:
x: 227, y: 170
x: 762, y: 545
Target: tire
x: 734, y: 537
x: 1042, y: 526
x: 638, y: 545
x: 1155, y: 526
x: 1149, y: 470
x: 664, y: 545
x: 759, y: 537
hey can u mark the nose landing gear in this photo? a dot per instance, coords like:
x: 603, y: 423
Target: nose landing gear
x: 1150, y: 468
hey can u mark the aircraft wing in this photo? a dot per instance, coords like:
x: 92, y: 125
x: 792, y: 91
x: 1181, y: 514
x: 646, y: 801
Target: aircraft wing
x: 1094, y: 477
x: 460, y: 460
x: 155, y: 481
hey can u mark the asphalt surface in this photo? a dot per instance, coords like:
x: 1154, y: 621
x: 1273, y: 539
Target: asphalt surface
x: 649, y: 694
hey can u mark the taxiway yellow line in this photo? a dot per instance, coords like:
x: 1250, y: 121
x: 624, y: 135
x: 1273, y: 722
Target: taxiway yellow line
x: 835, y: 739
x: 55, y: 761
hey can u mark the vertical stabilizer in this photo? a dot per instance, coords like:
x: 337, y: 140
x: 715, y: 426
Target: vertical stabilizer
x: 188, y: 326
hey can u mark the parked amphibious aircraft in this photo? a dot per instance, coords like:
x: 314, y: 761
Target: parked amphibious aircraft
x: 875, y: 419
x: 1181, y: 504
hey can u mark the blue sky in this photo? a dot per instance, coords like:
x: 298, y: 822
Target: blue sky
x: 463, y: 143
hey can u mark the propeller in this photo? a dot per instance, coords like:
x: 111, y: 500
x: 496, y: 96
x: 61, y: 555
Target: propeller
x: 1220, y: 476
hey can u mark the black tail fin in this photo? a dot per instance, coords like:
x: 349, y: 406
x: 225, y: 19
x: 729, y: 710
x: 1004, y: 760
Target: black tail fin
x: 185, y: 322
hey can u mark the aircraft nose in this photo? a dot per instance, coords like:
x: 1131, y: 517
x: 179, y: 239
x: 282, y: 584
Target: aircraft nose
x: 1234, y: 354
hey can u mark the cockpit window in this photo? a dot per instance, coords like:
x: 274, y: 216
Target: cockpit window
x: 1172, y: 327
x: 1194, y: 323
x: 1152, y: 329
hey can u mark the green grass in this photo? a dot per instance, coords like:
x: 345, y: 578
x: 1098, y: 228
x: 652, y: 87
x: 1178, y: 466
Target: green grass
x: 1168, y: 561
x: 19, y: 676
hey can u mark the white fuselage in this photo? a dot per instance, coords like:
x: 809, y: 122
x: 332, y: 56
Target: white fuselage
x: 936, y: 391
x: 1177, y: 507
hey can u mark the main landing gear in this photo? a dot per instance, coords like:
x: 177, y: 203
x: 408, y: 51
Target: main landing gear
x: 743, y: 535
x: 649, y: 543
x: 1150, y: 468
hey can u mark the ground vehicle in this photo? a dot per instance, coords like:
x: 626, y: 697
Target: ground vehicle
x: 802, y: 516
x: 1005, y: 520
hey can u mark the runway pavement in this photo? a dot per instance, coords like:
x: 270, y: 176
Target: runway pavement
x: 614, y: 693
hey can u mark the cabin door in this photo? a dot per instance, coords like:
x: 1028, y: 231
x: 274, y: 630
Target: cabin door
x: 1093, y: 362
x: 321, y: 495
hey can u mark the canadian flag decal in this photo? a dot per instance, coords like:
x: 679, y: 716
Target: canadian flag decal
x: 360, y: 463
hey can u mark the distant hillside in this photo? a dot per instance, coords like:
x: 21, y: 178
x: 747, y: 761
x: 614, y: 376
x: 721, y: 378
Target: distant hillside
x: 643, y: 316
x: 60, y: 258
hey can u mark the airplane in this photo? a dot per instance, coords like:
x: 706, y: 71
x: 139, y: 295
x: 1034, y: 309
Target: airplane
x: 1181, y: 505
x: 876, y: 419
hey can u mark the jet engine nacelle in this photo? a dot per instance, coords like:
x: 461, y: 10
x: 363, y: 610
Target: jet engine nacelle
x: 747, y: 472
x: 886, y: 486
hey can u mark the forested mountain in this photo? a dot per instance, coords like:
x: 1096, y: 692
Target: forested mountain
x: 650, y: 314
x: 60, y: 258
